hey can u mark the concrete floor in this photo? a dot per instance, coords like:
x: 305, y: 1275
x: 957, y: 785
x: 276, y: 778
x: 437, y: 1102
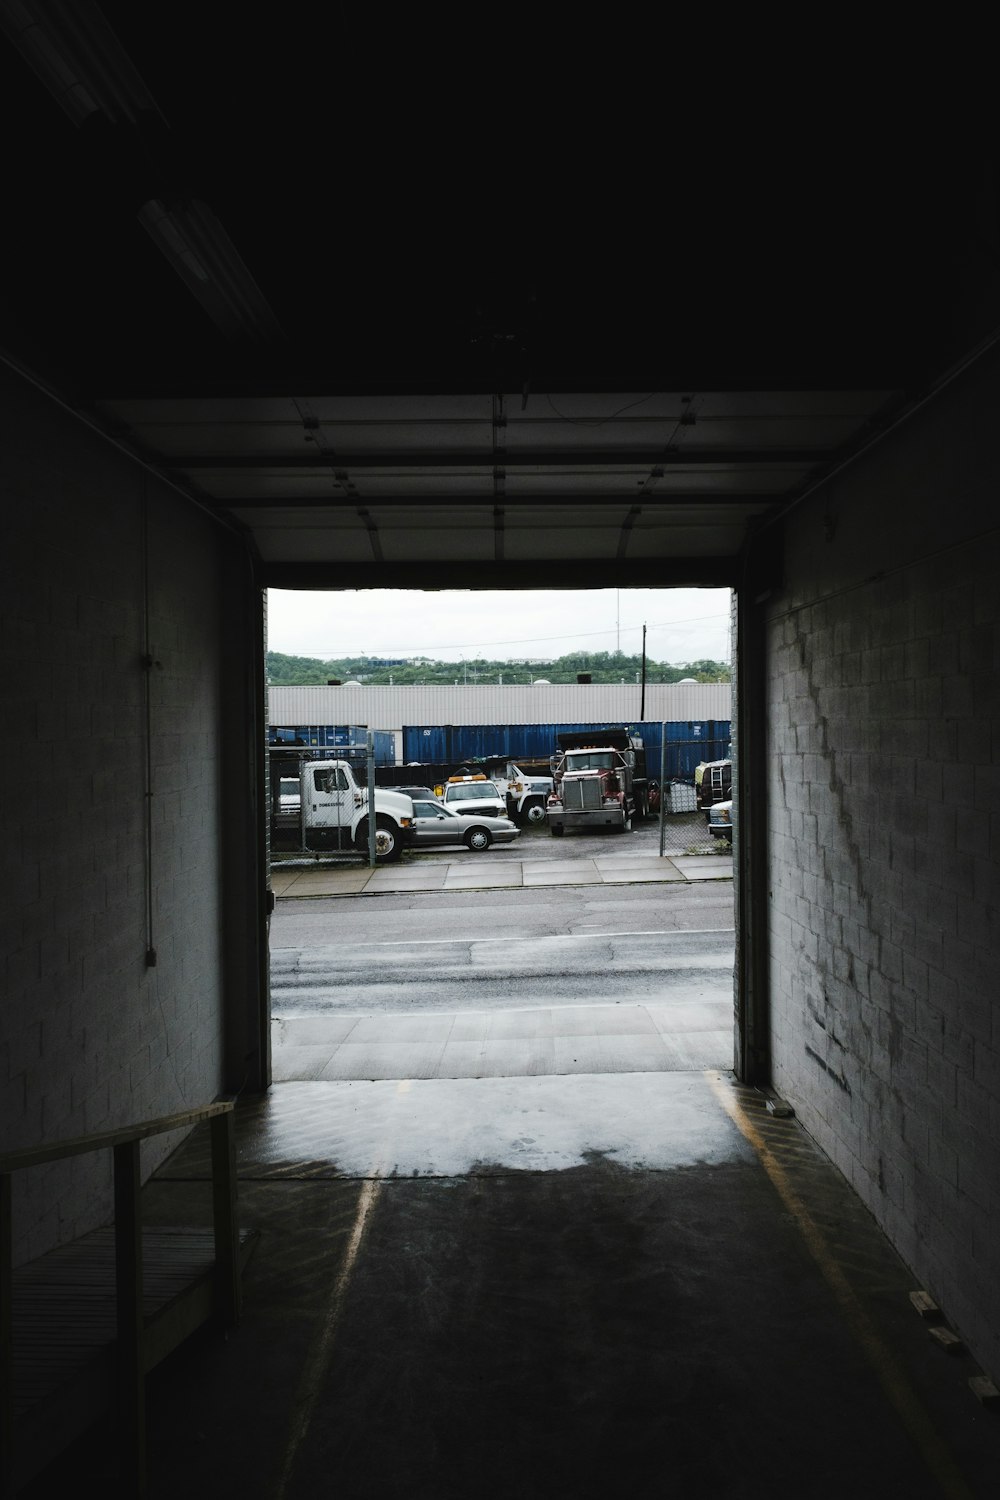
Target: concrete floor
x: 577, y: 1262
x: 578, y: 1286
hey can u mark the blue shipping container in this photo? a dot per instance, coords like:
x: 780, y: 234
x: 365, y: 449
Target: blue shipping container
x: 335, y: 737
x: 688, y: 742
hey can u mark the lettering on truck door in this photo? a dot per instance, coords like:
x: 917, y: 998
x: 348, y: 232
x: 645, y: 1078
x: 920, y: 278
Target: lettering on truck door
x: 330, y: 803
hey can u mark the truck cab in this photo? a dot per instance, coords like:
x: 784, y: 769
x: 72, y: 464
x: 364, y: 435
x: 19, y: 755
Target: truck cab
x: 592, y: 790
x: 525, y: 789
x: 599, y: 781
x: 334, y: 808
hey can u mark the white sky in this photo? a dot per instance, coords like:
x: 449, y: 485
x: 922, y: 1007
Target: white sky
x: 681, y: 624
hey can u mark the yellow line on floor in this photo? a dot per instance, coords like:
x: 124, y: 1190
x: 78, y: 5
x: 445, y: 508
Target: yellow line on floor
x: 310, y: 1385
x: 900, y: 1393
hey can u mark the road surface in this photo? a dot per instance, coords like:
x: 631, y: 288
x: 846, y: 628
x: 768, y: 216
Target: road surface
x: 481, y: 950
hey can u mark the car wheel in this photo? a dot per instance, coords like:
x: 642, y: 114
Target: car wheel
x: 478, y: 838
x: 534, y: 812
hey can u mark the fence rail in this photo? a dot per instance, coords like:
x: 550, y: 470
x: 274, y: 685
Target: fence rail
x: 124, y: 1144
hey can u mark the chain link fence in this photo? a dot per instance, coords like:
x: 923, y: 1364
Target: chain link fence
x: 687, y: 833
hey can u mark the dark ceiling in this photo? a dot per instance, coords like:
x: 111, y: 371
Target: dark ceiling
x: 387, y: 293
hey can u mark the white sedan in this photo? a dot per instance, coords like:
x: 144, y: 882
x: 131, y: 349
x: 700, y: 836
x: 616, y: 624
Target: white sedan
x: 435, y: 824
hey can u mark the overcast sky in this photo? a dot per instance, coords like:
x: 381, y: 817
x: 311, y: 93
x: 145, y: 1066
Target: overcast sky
x: 681, y: 624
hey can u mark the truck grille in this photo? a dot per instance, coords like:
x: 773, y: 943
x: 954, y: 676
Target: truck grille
x: 578, y: 795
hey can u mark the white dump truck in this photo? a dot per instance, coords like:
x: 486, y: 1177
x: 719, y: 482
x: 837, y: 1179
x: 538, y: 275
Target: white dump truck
x: 334, y: 811
x: 525, y: 790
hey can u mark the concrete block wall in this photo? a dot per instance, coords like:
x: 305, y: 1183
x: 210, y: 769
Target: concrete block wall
x: 91, y: 1037
x: 883, y: 652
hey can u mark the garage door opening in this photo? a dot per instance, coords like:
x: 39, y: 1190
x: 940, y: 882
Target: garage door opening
x: 601, y: 951
x: 498, y: 709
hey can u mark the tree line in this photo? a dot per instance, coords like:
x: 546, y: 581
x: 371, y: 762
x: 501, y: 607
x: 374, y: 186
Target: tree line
x: 603, y: 666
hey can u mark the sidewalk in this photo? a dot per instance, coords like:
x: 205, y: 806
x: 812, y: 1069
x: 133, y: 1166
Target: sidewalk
x: 688, y: 1034
x: 430, y: 872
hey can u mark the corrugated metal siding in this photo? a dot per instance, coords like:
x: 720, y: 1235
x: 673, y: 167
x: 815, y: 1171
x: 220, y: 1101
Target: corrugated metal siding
x: 567, y: 703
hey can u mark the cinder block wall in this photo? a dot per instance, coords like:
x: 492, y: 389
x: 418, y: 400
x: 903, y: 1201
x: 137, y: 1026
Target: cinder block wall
x: 90, y: 1036
x: 884, y: 837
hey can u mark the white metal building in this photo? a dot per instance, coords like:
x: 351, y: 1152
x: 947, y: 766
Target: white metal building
x: 389, y: 708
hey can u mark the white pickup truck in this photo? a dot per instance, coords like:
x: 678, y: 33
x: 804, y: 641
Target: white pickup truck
x: 334, y: 808
x: 474, y: 794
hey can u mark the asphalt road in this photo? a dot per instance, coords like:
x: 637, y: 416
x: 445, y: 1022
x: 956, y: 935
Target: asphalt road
x: 537, y: 912
x: 488, y: 950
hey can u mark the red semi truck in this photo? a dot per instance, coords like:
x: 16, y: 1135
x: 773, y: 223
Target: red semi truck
x: 600, y: 781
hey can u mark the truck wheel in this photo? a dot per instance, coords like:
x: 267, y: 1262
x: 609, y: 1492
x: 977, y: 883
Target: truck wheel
x: 556, y: 830
x: 388, y: 844
x: 478, y: 838
x: 534, y: 812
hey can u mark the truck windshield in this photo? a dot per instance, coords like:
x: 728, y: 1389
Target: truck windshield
x: 590, y: 760
x: 474, y: 792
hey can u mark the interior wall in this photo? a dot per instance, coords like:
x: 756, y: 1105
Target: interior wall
x: 92, y: 1036
x: 883, y: 766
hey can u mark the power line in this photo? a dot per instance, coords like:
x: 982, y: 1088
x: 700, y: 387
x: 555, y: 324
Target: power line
x: 531, y: 640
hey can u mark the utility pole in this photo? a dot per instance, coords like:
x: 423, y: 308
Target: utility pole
x: 642, y: 699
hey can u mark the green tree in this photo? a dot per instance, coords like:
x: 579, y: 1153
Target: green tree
x: 603, y: 666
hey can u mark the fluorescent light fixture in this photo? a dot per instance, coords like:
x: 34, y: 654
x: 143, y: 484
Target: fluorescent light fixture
x: 205, y: 258
x: 76, y: 55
